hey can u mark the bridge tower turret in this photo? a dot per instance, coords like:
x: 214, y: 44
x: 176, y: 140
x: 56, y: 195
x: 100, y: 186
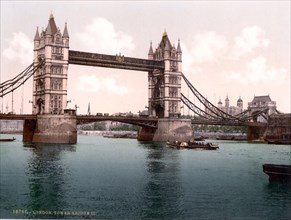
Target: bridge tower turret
x: 227, y: 104
x: 50, y: 81
x: 165, y: 86
x: 240, y: 104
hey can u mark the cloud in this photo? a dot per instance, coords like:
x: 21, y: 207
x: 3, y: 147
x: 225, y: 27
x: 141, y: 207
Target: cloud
x: 205, y: 47
x: 100, y: 35
x: 91, y: 84
x: 257, y: 71
x: 250, y: 38
x: 20, y: 48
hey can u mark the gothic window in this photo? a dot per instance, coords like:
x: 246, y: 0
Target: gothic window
x: 173, y: 66
x: 173, y: 92
x: 174, y: 107
x: 58, y: 39
x: 52, y: 101
x: 173, y: 80
x: 156, y: 92
x: 55, y: 102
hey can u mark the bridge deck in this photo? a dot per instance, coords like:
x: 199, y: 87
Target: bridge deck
x: 140, y: 121
x: 110, y: 61
x: 17, y: 117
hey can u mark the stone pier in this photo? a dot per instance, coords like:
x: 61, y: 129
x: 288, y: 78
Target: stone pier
x: 60, y: 129
x: 168, y: 129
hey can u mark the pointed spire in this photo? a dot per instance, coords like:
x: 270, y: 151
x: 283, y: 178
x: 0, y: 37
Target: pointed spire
x: 36, y: 37
x: 151, y: 52
x: 48, y: 30
x: 51, y: 27
x: 179, y: 47
x: 66, y: 34
x: 167, y: 45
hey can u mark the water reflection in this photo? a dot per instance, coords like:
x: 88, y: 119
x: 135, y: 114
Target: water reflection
x: 46, y: 175
x: 162, y: 192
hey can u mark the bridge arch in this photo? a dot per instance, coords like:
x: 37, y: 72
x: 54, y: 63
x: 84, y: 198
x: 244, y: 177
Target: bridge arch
x: 139, y: 121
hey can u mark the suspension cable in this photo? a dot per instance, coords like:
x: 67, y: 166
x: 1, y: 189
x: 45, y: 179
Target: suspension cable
x: 216, y: 111
x: 195, y: 108
x: 12, y: 84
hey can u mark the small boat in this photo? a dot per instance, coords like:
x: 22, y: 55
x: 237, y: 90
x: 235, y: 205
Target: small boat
x: 278, y: 141
x: 278, y: 172
x: 193, y: 145
x: 201, y: 145
x: 7, y: 139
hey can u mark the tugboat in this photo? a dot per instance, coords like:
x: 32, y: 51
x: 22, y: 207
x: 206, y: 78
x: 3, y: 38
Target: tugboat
x: 278, y: 172
x: 192, y: 145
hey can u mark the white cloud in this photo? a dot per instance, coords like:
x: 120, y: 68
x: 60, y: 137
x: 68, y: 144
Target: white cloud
x: 90, y: 83
x: 250, y: 38
x: 257, y: 71
x: 205, y: 47
x: 20, y: 48
x: 101, y: 36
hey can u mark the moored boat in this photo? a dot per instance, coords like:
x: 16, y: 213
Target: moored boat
x: 279, y: 141
x: 7, y: 139
x: 278, y: 172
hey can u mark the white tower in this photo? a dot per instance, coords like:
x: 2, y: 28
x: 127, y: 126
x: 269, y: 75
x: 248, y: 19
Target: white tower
x: 165, y: 86
x: 50, y: 82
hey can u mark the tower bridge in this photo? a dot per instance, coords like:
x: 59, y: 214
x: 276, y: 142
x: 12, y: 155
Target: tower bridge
x: 50, y: 121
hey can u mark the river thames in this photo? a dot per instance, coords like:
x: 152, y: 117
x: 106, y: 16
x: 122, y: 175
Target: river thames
x: 106, y: 178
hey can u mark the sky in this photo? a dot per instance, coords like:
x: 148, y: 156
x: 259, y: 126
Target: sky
x: 230, y: 48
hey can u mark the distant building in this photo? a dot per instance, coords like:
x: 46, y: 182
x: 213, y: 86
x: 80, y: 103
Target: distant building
x: 11, y: 126
x: 231, y: 110
x: 260, y: 103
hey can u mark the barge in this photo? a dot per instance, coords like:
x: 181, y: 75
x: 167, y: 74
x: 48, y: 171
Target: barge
x: 278, y: 172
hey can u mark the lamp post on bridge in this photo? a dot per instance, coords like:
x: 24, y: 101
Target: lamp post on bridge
x: 31, y: 104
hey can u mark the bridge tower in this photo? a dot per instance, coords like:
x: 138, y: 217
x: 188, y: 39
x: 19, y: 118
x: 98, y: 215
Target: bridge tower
x: 50, y: 82
x: 53, y: 124
x: 165, y: 95
x: 165, y: 86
